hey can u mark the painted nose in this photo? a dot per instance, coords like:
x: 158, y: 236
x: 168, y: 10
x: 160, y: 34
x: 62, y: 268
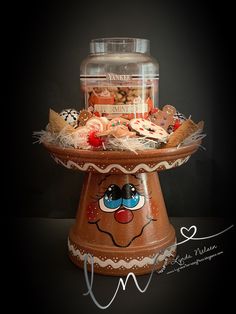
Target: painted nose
x: 124, y: 216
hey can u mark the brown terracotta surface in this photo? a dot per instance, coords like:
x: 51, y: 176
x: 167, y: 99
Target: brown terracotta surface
x: 156, y: 159
x: 122, y: 219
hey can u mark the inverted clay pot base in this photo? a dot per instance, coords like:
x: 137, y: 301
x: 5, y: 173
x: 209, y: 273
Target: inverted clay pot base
x: 121, y: 220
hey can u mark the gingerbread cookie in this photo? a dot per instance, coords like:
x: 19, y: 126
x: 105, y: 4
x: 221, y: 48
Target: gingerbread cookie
x: 164, y: 117
x: 84, y: 116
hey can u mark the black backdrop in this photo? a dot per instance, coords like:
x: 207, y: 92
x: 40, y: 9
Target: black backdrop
x: 46, y: 43
x: 193, y: 44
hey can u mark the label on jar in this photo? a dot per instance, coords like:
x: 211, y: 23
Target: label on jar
x: 113, y: 95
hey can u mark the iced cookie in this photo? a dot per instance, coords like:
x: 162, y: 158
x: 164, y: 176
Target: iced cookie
x: 117, y: 121
x: 96, y: 124
x: 164, y: 117
x: 148, y: 129
x: 118, y: 131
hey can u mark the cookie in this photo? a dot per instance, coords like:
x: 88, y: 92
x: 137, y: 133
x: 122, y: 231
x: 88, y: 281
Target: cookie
x: 84, y: 116
x: 164, y: 117
x: 148, y: 129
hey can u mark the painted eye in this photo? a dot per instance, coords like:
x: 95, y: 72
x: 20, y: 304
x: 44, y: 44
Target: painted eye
x: 111, y: 200
x: 131, y: 198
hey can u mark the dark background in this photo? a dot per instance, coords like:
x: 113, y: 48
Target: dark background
x: 193, y: 44
x: 46, y: 43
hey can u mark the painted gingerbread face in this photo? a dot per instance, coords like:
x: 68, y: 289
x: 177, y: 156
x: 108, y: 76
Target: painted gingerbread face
x: 122, y: 210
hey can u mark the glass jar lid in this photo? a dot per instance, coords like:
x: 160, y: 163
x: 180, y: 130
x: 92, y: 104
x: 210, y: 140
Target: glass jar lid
x: 119, y: 45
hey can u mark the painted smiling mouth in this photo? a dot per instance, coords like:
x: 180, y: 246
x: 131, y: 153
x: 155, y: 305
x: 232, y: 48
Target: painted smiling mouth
x: 112, y: 238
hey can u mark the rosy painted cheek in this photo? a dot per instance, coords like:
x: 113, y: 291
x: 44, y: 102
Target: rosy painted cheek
x: 93, y: 212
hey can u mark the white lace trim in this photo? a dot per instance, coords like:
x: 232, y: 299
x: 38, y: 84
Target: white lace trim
x: 114, y: 167
x: 117, y: 263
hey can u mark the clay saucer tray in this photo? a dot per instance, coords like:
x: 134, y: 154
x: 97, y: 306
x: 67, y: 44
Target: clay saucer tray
x: 121, y: 218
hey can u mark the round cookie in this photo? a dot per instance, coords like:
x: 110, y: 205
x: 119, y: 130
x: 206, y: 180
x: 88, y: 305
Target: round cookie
x: 95, y: 124
x: 148, y: 129
x: 116, y: 122
x: 80, y: 138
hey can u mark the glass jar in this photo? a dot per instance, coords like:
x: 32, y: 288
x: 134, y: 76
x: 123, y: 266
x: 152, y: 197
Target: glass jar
x: 120, y: 78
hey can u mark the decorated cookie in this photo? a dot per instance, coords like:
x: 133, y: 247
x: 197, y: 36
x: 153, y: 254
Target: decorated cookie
x: 148, y: 129
x: 96, y: 124
x: 92, y: 131
x: 80, y: 138
x: 164, y: 117
x: 70, y: 116
x: 84, y: 116
x: 118, y: 131
x: 117, y: 121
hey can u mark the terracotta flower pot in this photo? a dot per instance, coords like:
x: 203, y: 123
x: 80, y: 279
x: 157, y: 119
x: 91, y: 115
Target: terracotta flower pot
x: 122, y: 219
